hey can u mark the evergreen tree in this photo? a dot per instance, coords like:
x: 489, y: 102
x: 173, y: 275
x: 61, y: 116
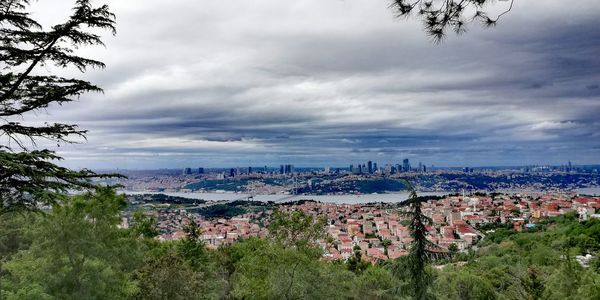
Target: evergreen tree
x: 192, y: 248
x: 438, y: 16
x: 169, y: 276
x: 29, y: 176
x: 376, y: 283
x: 144, y: 226
x: 421, y: 248
x: 386, y: 243
x: 355, y: 262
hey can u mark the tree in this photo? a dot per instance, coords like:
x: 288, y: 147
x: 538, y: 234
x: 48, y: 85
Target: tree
x: 564, y: 281
x: 386, y: 243
x: 463, y: 285
x: 376, y: 283
x: 273, y: 271
x: 421, y: 248
x: 169, y: 276
x: 29, y: 176
x: 296, y: 228
x: 355, y: 262
x: 12, y: 233
x: 590, y: 286
x: 453, y: 248
x: 438, y: 15
x: 179, y: 270
x: 144, y: 226
x: 77, y: 252
x: 193, y: 249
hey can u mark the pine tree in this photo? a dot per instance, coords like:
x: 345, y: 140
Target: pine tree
x: 438, y: 15
x: 29, y: 176
x: 421, y: 248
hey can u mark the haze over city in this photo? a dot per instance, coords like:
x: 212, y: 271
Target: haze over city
x: 316, y: 83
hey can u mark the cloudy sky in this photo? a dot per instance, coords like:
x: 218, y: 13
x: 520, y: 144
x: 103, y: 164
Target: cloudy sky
x: 332, y: 82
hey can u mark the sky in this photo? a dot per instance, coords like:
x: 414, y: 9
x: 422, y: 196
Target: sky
x: 332, y: 83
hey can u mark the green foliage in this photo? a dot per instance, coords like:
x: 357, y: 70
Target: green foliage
x: 532, y: 265
x: 272, y: 271
x: 355, y: 262
x: 28, y: 178
x: 168, y: 276
x: 232, y: 209
x: 193, y: 250
x: 221, y: 211
x: 377, y: 283
x: 162, y: 198
x: 143, y: 225
x: 12, y: 233
x: 461, y: 284
x: 178, y: 270
x: 77, y: 251
x: 385, y: 243
x: 589, y: 288
x: 563, y: 282
x: 585, y: 235
x: 453, y: 249
x: 421, y: 248
x: 296, y: 228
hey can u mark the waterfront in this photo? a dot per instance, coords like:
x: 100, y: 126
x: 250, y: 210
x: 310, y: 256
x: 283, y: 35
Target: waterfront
x: 594, y: 191
x: 338, y: 199
x: 282, y: 198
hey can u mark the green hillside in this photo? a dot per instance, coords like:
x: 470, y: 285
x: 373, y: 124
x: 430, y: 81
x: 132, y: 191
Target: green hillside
x: 66, y: 255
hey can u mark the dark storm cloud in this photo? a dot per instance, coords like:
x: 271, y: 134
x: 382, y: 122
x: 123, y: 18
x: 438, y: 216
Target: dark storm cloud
x: 338, y: 82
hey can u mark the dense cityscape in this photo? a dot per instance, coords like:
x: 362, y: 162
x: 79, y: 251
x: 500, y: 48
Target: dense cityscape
x: 351, y: 150
x: 378, y: 230
x: 361, y: 179
x: 470, y: 203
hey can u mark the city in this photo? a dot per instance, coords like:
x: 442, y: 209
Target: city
x: 459, y: 221
x: 343, y: 150
x: 365, y: 178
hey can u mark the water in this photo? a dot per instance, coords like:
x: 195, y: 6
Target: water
x: 589, y: 191
x: 338, y: 199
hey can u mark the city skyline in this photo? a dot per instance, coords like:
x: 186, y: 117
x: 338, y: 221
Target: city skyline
x: 422, y: 166
x: 331, y: 83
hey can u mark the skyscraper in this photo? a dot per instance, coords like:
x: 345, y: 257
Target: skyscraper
x: 387, y: 169
x: 286, y: 169
x: 370, y: 167
x: 187, y: 171
x: 200, y: 170
x: 405, y: 165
